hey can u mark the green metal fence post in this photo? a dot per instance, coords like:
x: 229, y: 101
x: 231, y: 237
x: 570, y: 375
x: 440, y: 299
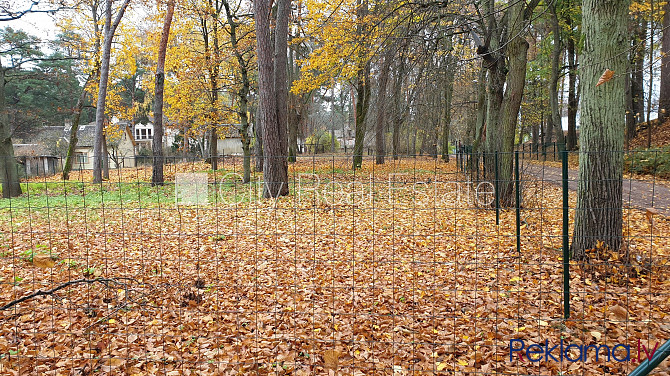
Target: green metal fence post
x: 566, y: 239
x: 518, y: 201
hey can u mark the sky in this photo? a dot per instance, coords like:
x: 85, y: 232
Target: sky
x: 41, y: 25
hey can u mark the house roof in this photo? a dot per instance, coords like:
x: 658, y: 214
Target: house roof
x: 85, y: 135
x: 29, y: 150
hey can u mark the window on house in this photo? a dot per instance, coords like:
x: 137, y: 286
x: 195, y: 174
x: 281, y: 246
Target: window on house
x: 82, y: 158
x: 150, y: 132
x: 144, y: 134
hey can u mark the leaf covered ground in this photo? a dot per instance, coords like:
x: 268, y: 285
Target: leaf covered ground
x: 392, y: 270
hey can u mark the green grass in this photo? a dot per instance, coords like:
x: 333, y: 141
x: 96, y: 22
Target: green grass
x: 43, y: 195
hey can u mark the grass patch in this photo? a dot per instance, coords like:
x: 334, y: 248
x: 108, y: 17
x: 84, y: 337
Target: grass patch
x: 42, y: 195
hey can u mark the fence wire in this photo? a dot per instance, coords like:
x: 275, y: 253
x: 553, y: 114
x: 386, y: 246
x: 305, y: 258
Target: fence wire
x: 394, y: 269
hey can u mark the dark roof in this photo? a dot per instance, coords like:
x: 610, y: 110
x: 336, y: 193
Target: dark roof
x: 85, y: 135
x: 29, y: 150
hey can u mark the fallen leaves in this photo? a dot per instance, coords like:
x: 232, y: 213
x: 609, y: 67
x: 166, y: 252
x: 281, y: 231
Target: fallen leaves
x: 43, y: 261
x: 381, y: 287
x: 331, y: 359
x: 619, y: 312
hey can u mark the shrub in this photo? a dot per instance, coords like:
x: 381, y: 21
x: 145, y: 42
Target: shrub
x: 652, y: 162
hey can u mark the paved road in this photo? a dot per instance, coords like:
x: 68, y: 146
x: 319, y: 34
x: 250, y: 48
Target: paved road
x: 639, y: 193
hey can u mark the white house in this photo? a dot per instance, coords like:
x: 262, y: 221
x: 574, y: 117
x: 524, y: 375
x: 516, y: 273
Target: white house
x: 144, y: 135
x: 122, y: 147
x: 231, y: 144
x: 345, y: 137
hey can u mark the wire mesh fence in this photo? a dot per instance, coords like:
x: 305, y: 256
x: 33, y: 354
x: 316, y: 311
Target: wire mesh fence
x: 403, y: 268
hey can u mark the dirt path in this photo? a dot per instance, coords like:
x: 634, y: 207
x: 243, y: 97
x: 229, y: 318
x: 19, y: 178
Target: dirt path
x: 638, y: 193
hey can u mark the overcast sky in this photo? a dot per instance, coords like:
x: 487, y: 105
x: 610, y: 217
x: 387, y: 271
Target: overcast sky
x: 39, y: 24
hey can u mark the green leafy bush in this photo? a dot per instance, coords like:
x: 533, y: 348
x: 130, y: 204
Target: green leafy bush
x: 650, y: 162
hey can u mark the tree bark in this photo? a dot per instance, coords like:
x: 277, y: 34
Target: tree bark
x: 271, y: 75
x: 72, y: 144
x: 109, y: 30
x: 664, y: 97
x: 157, y: 144
x: 362, y: 86
x: 281, y: 75
x: 258, y: 145
x: 242, y: 94
x: 599, y: 216
x: 213, y: 61
x: 480, y: 129
x: 9, y: 174
x: 556, y: 53
x: 637, y: 77
x: 573, y: 96
x: 517, y: 49
x: 380, y: 124
x: 76, y: 116
x: 448, y: 92
x: 397, y: 111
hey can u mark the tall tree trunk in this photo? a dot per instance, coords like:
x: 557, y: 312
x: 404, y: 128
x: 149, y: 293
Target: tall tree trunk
x: 517, y: 49
x: 108, y: 31
x: 105, y: 160
x: 651, y: 73
x: 81, y: 101
x: 281, y: 76
x: 380, y: 125
x: 74, y: 129
x: 242, y: 94
x: 494, y: 100
x: 448, y: 92
x: 271, y: 59
x: 573, y: 97
x: 258, y: 144
x: 481, y: 110
x: 157, y: 144
x: 556, y: 53
x: 664, y: 97
x: 294, y: 109
x: 213, y: 64
x: 599, y: 215
x: 492, y: 53
x: 9, y: 174
x: 362, y: 106
x: 362, y: 86
x: 631, y: 125
x: 397, y: 116
x: 637, y: 78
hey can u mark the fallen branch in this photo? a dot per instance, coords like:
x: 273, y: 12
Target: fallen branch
x: 104, y: 281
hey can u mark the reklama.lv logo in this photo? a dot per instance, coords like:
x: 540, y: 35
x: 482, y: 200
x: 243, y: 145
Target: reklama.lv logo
x: 577, y: 353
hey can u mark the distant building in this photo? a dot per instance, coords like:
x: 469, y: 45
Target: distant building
x: 33, y: 160
x: 120, y: 146
x: 231, y: 144
x: 345, y: 137
x: 44, y: 151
